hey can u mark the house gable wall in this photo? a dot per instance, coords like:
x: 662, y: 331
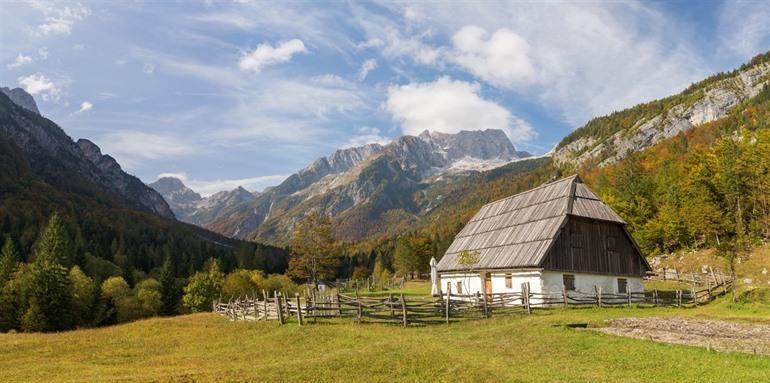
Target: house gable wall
x: 592, y: 246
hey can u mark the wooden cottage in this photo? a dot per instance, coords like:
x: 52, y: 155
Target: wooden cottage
x: 559, y: 235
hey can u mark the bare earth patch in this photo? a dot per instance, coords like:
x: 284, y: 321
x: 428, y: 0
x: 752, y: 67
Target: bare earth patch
x: 713, y: 334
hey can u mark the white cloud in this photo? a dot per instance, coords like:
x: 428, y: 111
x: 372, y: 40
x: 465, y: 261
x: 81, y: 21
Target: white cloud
x: 38, y: 84
x: 366, y: 135
x: 85, y: 106
x: 500, y: 59
x: 132, y: 148
x: 366, y: 67
x: 266, y: 54
x: 59, y: 21
x: 451, y: 106
x: 744, y: 27
x: 207, y: 188
x: 148, y: 68
x: 19, y: 61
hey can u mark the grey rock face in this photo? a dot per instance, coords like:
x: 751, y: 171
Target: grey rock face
x: 21, y: 98
x: 129, y: 187
x: 715, y: 103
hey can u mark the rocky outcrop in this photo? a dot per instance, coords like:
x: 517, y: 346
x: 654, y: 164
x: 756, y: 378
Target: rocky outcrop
x: 21, y: 98
x: 714, y: 102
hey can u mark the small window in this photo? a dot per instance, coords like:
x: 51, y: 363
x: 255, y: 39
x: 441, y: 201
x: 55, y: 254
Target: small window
x: 569, y: 282
x: 508, y: 281
x: 459, y: 287
x: 622, y: 285
x: 611, y: 243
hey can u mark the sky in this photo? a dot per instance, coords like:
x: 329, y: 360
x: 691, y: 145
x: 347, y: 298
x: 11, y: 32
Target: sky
x: 229, y: 93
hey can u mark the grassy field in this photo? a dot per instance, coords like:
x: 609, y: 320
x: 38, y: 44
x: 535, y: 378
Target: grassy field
x: 534, y: 348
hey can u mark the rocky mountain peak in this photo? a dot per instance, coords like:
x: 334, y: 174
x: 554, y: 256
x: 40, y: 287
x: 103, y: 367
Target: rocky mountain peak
x: 21, y: 98
x: 174, y: 191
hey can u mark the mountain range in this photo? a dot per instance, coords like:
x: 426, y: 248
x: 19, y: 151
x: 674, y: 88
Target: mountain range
x: 373, y: 181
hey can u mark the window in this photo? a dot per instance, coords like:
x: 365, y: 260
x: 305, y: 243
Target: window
x: 459, y: 287
x: 611, y: 242
x: 569, y: 282
x: 622, y: 285
x: 508, y: 281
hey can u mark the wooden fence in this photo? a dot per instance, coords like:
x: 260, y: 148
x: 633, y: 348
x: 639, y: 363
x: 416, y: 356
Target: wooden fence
x: 445, y: 308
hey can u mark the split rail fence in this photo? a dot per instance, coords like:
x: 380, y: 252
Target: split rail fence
x: 447, y: 307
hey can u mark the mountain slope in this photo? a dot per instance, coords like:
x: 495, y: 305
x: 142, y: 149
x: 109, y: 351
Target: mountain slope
x: 110, y: 236
x: 190, y: 207
x: 54, y: 157
x: 372, y: 182
x: 605, y: 140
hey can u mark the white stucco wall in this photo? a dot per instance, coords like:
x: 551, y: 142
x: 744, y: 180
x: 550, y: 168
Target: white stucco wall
x: 554, y: 281
x: 539, y: 282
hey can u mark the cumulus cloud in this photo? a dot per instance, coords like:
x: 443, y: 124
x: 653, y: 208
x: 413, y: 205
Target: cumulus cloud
x: 266, y: 55
x: 366, y: 67
x: 60, y: 20
x: 366, y: 135
x: 38, y: 84
x: 451, y: 106
x: 500, y: 58
x: 19, y: 61
x: 132, y: 148
x: 85, y: 106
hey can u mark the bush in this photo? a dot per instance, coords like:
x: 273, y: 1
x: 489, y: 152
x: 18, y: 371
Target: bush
x: 148, y: 293
x: 239, y: 283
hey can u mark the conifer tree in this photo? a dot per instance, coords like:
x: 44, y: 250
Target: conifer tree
x: 54, y: 245
x: 8, y: 260
x: 169, y: 291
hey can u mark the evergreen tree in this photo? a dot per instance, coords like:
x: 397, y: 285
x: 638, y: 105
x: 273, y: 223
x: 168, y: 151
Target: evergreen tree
x: 169, y: 290
x: 8, y: 260
x: 50, y: 298
x: 54, y: 245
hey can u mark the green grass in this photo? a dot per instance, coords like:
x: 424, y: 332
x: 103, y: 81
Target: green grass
x: 538, y: 348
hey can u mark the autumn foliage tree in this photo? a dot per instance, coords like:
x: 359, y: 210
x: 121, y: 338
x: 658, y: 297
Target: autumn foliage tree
x: 314, y: 252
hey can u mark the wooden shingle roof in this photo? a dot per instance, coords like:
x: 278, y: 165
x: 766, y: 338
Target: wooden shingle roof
x: 517, y: 231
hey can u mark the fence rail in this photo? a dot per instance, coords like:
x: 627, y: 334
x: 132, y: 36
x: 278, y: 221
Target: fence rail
x: 446, y: 307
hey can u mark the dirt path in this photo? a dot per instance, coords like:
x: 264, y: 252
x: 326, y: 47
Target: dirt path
x: 713, y: 334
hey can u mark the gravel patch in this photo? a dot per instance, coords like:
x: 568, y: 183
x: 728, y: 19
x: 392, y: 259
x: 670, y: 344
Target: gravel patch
x: 712, y: 334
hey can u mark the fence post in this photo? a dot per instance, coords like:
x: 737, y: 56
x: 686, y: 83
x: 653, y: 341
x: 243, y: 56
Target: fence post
x: 486, y: 307
x: 664, y: 273
x: 278, y: 308
x: 694, y: 297
x: 403, y: 309
x: 299, y: 309
x: 390, y: 304
x: 708, y: 288
x: 628, y: 292
x: 564, y: 296
x: 358, y: 304
x: 448, y: 303
x: 529, y: 303
x: 655, y: 297
x: 339, y: 304
x: 598, y: 296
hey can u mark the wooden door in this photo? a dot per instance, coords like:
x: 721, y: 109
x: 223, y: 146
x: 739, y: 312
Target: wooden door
x: 488, y: 284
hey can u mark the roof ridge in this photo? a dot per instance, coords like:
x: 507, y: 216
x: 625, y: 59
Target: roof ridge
x: 574, y: 177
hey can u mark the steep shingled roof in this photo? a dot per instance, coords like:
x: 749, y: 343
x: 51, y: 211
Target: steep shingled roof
x: 518, y: 230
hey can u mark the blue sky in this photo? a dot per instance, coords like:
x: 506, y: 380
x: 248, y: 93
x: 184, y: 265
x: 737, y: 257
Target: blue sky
x: 244, y: 93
